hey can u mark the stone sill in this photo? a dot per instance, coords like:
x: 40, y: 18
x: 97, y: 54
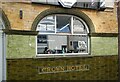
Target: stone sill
x: 65, y: 57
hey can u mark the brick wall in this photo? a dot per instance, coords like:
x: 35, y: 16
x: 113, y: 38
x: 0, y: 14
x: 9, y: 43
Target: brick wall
x: 100, y: 68
x: 104, y: 22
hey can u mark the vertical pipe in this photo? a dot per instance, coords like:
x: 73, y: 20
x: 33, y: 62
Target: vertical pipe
x: 2, y: 51
x: 1, y: 68
x: 4, y: 55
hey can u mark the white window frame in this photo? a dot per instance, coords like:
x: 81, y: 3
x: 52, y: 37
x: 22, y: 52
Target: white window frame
x: 72, y: 33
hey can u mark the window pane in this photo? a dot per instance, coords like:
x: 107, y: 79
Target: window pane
x: 41, y: 43
x: 59, y: 44
x: 47, y: 25
x: 63, y: 24
x: 78, y: 26
x: 78, y: 43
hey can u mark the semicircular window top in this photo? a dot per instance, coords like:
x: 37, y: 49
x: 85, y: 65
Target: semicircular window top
x: 62, y: 35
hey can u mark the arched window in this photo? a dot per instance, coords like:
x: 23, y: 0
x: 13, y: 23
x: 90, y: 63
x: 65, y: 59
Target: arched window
x: 62, y: 35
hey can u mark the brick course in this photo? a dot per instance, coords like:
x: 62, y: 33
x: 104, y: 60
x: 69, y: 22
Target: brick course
x: 100, y: 68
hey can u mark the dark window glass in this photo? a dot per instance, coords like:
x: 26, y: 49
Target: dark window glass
x: 63, y: 24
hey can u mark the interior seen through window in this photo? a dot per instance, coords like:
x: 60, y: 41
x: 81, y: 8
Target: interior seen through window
x: 62, y: 34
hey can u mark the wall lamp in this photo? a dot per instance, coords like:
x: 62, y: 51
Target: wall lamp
x: 21, y: 13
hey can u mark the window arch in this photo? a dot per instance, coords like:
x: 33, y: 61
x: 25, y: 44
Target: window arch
x: 4, y: 20
x: 61, y: 34
x: 1, y: 24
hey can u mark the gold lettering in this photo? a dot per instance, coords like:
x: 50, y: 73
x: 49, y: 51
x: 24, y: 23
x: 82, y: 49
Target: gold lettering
x: 57, y: 69
x: 64, y: 68
x: 48, y: 69
x: 77, y: 68
x: 43, y: 69
x: 80, y: 67
x: 68, y: 68
x: 52, y: 70
x: 73, y: 68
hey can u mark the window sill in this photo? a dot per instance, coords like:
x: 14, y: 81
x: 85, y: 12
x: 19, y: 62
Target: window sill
x: 62, y: 55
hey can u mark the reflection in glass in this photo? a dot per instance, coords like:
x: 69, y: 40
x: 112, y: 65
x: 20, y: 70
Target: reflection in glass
x: 63, y: 24
x: 47, y: 25
x: 60, y: 44
x: 62, y: 34
x: 78, y: 26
